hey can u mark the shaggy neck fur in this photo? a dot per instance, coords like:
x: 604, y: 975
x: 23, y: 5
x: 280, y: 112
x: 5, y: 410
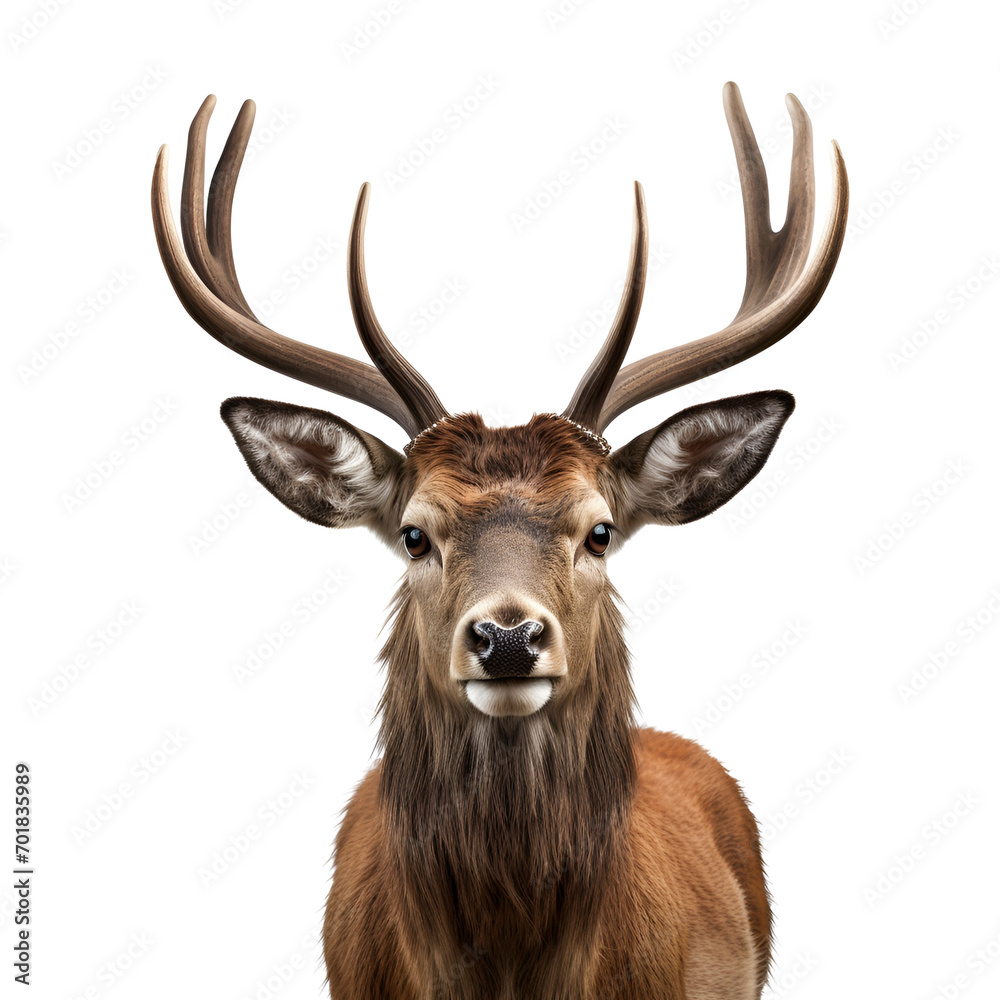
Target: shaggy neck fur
x: 507, y: 833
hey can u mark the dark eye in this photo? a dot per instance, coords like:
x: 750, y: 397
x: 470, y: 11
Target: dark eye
x: 599, y: 539
x: 416, y: 542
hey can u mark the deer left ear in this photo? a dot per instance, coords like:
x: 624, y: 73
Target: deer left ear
x: 697, y: 460
x: 320, y: 466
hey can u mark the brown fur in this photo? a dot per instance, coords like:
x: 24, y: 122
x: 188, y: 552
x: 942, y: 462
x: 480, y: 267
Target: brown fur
x: 557, y: 856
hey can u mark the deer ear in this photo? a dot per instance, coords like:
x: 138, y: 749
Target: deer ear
x: 697, y: 460
x: 320, y: 466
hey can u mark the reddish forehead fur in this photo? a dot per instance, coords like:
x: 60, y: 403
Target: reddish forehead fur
x: 547, y: 455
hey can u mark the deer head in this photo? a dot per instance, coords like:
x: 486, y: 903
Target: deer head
x: 506, y: 602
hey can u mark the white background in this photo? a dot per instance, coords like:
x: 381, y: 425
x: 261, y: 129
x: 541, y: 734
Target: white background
x: 847, y: 772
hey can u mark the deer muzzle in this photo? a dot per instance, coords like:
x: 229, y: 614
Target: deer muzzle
x: 508, y: 666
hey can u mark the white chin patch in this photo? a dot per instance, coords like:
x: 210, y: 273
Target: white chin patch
x: 509, y: 697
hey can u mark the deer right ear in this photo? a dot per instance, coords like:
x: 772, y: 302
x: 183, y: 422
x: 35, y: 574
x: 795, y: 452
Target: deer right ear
x: 697, y: 460
x: 320, y: 466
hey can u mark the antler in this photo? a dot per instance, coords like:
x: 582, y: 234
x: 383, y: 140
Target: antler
x: 585, y: 406
x: 781, y: 290
x: 204, y: 277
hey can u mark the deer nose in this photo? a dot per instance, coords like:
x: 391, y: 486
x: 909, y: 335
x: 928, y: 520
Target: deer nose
x: 506, y: 652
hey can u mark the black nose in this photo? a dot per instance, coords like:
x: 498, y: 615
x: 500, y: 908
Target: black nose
x: 506, y: 652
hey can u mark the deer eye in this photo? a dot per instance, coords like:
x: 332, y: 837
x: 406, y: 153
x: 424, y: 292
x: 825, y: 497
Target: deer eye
x: 416, y: 542
x: 599, y: 539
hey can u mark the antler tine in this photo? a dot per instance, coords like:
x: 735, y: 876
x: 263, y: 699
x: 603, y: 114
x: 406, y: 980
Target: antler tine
x: 412, y: 388
x: 800, y: 212
x: 211, y: 256
x: 781, y: 288
x: 220, y: 198
x: 585, y: 406
x: 774, y: 259
x: 206, y: 282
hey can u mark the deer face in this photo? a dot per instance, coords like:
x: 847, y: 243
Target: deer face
x: 505, y: 531
x: 508, y: 568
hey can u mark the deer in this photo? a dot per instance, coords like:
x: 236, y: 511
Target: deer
x: 520, y: 837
